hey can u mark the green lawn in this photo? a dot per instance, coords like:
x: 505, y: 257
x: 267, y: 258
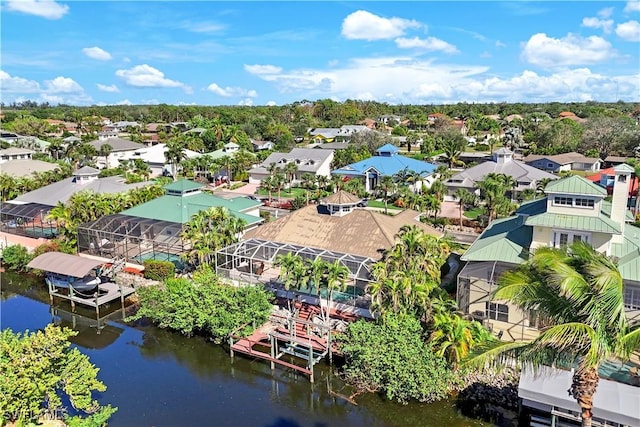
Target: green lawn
x: 380, y: 204
x: 473, y: 213
x: 290, y: 193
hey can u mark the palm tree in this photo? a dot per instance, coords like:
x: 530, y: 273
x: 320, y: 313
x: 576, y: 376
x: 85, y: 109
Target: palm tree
x: 443, y: 172
x: 104, y: 151
x: 290, y: 170
x: 337, y: 275
x: 581, y: 293
x: 268, y: 184
x: 463, y: 196
x: 174, y: 154
x: 308, y: 182
x: 291, y: 267
x: 387, y: 186
x: 315, y: 272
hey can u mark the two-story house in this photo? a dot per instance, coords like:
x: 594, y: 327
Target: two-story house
x: 574, y: 209
x: 119, y: 149
x: 307, y: 160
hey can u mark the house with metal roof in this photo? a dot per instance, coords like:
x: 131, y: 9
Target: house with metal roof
x: 386, y: 162
x: 573, y: 210
x: 502, y: 162
x: 308, y: 160
x: 153, y: 230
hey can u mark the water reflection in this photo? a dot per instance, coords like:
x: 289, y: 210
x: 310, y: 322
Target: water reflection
x: 158, y: 378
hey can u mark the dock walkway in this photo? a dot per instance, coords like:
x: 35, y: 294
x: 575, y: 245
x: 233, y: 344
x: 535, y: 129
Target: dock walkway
x: 104, y: 294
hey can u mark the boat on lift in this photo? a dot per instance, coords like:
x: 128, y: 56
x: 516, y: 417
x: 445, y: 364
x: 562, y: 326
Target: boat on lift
x: 83, y: 284
x: 69, y: 271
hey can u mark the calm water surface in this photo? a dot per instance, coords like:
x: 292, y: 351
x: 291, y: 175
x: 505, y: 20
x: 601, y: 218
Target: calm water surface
x: 157, y: 378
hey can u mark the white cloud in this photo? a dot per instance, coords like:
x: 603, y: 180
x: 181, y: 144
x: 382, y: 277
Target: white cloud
x: 202, y: 27
x: 247, y: 102
x: 428, y: 44
x: 124, y: 102
x: 500, y: 44
x: 632, y: 6
x: 428, y: 82
x: 62, y: 85
x: 629, y: 31
x: 231, y: 91
x: 262, y: 69
x: 605, y: 13
x: 105, y: 88
x: 271, y: 103
x: 48, y: 9
x: 572, y: 50
x: 11, y: 84
x: 593, y: 22
x: 363, y: 25
x: 97, y: 53
x: 147, y: 76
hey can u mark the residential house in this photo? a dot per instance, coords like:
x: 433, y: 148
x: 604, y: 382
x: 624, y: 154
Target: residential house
x: 121, y: 149
x: 261, y: 145
x: 15, y: 153
x: 573, y: 210
x: 307, y: 160
x: 389, y: 119
x: 17, y: 162
x: 611, y: 161
x: 330, y: 146
x: 154, y: 156
x: 606, y: 179
x: 342, y: 134
x: 153, y: 230
x: 502, y: 162
x: 107, y: 134
x: 25, y: 215
x: 386, y: 162
x: 335, y: 230
x: 564, y: 162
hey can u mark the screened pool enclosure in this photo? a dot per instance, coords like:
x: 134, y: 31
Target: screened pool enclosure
x: 133, y: 238
x: 252, y: 261
x: 27, y: 219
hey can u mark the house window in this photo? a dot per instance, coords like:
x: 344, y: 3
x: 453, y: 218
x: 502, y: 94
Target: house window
x: 583, y: 203
x: 563, y: 201
x: 632, y: 298
x: 564, y: 238
x: 499, y: 312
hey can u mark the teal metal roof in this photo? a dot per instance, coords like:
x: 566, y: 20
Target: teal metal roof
x: 599, y: 224
x: 623, y: 167
x: 183, y: 185
x: 628, y: 253
x: 605, y: 208
x: 575, y: 185
x: 505, y: 240
x: 180, y: 209
x: 533, y: 207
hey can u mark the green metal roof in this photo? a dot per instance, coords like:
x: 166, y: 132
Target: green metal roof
x: 600, y: 224
x: 605, y: 208
x: 180, y: 209
x: 575, y: 185
x: 183, y: 185
x: 628, y: 253
x: 623, y: 167
x: 533, y: 207
x: 506, y: 240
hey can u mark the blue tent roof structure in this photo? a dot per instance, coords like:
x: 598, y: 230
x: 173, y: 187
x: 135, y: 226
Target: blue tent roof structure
x: 387, y: 163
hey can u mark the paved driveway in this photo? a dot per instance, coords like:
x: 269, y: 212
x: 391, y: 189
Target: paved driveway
x: 246, y: 189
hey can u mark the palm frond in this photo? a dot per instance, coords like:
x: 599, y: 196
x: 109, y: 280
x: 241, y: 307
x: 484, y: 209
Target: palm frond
x: 494, y: 352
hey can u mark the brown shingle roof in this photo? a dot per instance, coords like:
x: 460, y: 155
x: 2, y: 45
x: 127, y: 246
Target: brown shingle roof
x: 361, y: 232
x: 341, y: 198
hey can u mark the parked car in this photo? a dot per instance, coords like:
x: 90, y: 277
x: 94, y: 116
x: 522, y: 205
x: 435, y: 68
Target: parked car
x: 363, y: 203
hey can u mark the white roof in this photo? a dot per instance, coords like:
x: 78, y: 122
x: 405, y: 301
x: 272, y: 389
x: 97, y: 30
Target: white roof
x: 155, y: 154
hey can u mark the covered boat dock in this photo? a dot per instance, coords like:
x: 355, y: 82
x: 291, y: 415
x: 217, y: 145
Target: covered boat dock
x: 78, y: 267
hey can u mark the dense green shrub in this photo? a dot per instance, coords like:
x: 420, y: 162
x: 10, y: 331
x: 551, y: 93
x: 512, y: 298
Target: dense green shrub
x: 391, y: 356
x: 204, y: 306
x: 40, y: 369
x: 158, y: 270
x: 298, y: 202
x: 16, y: 257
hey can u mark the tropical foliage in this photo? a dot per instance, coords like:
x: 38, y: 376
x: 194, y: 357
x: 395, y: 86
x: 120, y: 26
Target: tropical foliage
x: 40, y: 372
x: 16, y: 257
x: 391, y: 356
x: 204, y: 306
x: 579, y: 291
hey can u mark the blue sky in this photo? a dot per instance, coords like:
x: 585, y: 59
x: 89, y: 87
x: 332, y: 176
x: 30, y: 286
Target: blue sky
x: 266, y: 53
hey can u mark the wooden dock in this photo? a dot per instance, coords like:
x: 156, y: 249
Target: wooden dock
x: 104, y: 294
x: 294, y: 336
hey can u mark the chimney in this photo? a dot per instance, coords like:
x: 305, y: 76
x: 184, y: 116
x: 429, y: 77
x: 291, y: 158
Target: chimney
x: 620, y: 198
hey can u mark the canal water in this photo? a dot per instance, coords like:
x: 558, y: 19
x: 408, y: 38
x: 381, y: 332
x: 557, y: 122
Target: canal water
x: 158, y: 378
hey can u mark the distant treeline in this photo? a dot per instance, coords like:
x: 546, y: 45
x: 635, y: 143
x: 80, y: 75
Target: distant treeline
x: 323, y: 112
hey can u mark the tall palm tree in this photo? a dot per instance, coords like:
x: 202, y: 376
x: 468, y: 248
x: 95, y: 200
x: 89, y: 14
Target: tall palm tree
x: 581, y: 293
x: 309, y: 183
x: 387, y: 186
x: 463, y: 196
x: 337, y: 275
x: 291, y: 267
x: 173, y: 155
x: 290, y: 170
x: 104, y: 151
